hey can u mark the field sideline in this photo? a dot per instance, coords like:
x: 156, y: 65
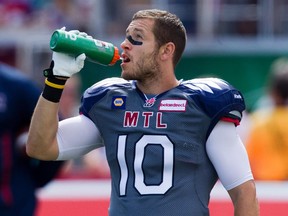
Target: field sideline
x: 91, y: 197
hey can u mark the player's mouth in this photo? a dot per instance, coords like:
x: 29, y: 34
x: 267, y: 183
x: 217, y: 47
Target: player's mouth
x: 125, y: 58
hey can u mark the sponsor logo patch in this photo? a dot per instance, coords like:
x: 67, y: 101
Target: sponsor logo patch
x: 118, y: 102
x: 173, y: 105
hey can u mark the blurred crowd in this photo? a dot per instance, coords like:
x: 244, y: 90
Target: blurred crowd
x: 99, y: 16
x: 43, y: 14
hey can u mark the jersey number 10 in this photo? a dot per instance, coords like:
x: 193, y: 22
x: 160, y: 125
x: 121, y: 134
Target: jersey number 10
x: 140, y: 145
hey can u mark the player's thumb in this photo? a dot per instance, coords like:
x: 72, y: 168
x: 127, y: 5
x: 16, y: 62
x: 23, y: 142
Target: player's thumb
x: 80, y: 60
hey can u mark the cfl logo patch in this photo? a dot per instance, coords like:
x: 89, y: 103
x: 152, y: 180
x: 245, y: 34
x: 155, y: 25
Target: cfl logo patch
x: 118, y: 102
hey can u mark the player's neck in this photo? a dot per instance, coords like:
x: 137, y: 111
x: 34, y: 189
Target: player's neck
x: 154, y: 87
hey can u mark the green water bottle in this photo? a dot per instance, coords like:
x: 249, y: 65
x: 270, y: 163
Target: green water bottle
x: 95, y: 50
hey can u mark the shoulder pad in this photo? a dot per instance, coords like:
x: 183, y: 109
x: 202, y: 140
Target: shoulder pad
x: 106, y: 84
x: 207, y: 86
x: 97, y: 91
x: 216, y: 97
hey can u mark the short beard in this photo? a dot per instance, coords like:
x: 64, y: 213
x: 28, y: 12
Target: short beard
x: 146, y: 69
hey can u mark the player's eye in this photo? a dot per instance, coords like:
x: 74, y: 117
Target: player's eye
x: 138, y: 37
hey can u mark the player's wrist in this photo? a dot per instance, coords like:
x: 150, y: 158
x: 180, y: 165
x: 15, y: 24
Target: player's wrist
x: 53, y: 89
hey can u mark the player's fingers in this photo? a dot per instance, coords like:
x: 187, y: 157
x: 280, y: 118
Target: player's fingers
x: 74, y: 32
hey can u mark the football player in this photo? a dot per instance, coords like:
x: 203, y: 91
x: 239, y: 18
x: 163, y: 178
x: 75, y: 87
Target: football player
x: 167, y: 141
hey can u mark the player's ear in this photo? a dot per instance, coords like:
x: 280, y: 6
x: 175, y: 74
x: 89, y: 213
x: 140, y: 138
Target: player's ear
x: 167, y: 51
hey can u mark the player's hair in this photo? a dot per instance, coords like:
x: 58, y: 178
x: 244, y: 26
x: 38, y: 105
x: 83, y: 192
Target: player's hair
x: 279, y: 79
x: 167, y: 28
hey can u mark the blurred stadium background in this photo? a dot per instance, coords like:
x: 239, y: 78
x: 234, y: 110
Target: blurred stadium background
x: 236, y: 40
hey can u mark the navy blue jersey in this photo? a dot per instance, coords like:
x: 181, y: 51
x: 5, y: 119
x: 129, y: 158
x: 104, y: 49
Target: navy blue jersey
x: 155, y: 144
x: 20, y: 176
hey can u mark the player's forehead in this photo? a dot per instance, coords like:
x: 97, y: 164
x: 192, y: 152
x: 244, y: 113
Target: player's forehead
x: 144, y: 26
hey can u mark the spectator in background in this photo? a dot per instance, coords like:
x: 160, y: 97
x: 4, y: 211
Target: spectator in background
x: 47, y: 15
x: 74, y: 14
x: 20, y: 175
x: 15, y: 13
x: 267, y: 144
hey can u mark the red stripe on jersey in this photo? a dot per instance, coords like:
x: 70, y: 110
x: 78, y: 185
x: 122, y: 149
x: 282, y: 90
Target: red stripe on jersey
x: 227, y: 119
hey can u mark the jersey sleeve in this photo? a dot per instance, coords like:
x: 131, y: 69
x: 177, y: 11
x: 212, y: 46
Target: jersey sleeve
x: 233, y: 169
x: 218, y: 99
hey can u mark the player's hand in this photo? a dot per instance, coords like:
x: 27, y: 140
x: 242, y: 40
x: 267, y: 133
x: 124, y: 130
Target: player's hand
x: 66, y: 65
x: 77, y: 32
